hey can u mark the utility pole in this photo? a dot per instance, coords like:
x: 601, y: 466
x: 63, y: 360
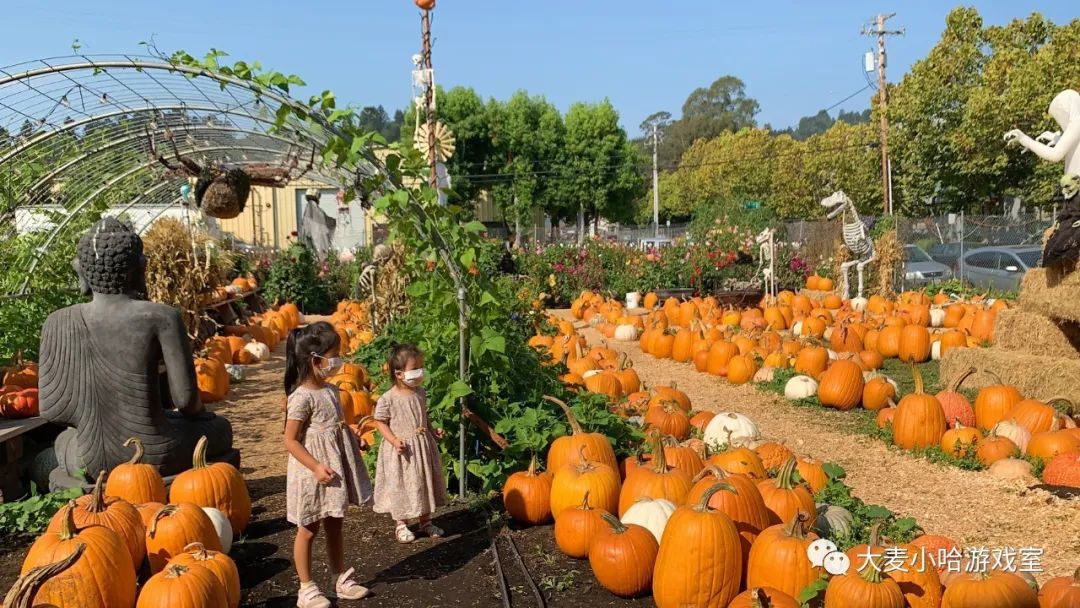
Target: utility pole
x: 655, y: 187
x: 883, y: 104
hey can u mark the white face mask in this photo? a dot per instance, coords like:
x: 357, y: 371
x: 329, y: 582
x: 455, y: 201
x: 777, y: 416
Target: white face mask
x: 331, y: 367
x: 413, y: 377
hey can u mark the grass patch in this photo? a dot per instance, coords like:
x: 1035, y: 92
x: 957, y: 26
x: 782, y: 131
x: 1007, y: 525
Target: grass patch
x: 900, y: 373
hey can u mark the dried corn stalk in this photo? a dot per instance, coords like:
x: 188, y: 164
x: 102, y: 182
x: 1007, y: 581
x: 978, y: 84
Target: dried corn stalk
x: 888, y: 260
x: 388, y: 299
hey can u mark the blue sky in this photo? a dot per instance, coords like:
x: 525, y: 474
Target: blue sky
x: 795, y: 57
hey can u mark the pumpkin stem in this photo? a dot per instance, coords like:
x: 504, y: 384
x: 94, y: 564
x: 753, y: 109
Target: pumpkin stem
x: 585, y: 502
x: 68, y: 530
x: 875, y: 533
x: 710, y: 469
x: 993, y: 375
x: 703, y: 503
x: 532, y: 466
x: 26, y: 587
x: 1072, y: 406
x: 796, y: 528
x: 617, y: 526
x: 659, y: 458
x: 97, y: 497
x: 575, y: 426
x: 139, y: 450
x: 785, y: 477
x: 758, y: 599
x: 163, y: 512
x: 955, y: 386
x: 917, y: 377
x: 872, y: 572
x: 198, y: 550
x: 175, y: 571
x: 198, y: 459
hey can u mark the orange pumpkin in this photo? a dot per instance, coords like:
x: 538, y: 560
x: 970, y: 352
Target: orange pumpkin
x: 919, y: 421
x: 219, y: 485
x: 841, y: 386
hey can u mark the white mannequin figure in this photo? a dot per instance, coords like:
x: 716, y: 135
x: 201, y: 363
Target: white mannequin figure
x: 856, y: 239
x: 1060, y: 145
x: 767, y: 265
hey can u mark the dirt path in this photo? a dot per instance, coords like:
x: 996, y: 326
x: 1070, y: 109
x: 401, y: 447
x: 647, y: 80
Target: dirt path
x: 973, y: 508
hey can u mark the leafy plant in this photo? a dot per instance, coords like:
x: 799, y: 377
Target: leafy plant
x: 32, y: 514
x: 837, y: 493
x: 294, y: 277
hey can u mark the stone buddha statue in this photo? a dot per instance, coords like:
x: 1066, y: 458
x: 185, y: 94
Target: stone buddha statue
x: 99, y: 370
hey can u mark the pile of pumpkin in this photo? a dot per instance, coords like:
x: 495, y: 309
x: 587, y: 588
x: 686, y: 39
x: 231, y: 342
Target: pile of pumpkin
x: 718, y: 531
x: 93, y: 550
x: 19, y: 391
x: 352, y: 320
x: 238, y: 286
x: 598, y: 369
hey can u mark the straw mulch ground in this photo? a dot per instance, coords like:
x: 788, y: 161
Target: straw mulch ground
x: 970, y: 507
x: 1053, y: 292
x: 1028, y: 332
x: 1037, y: 376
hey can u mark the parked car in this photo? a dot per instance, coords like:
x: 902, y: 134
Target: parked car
x: 946, y: 253
x: 921, y: 269
x: 998, y: 268
x: 655, y: 243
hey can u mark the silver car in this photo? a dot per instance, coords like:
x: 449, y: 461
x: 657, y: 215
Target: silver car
x: 998, y: 268
x: 921, y: 269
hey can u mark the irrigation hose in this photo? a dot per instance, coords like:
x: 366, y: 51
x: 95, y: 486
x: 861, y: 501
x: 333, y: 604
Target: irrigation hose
x: 528, y: 576
x: 503, y: 588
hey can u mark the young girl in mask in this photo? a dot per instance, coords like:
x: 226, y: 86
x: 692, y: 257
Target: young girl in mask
x: 325, y: 473
x: 409, y: 482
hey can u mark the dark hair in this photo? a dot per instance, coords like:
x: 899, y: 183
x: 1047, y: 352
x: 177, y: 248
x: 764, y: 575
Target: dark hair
x: 400, y: 355
x: 318, y: 338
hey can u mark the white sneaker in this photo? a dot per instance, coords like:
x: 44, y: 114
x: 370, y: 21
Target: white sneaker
x: 311, y: 597
x: 404, y: 535
x: 348, y: 589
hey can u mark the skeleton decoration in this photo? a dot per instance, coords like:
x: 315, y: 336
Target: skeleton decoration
x: 365, y: 285
x: 856, y: 238
x: 1063, y: 244
x: 222, y: 190
x: 767, y: 264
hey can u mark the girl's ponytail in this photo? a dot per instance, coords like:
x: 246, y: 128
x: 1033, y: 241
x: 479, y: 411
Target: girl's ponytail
x: 294, y: 362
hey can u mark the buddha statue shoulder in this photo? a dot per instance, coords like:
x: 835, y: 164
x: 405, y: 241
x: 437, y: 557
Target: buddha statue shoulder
x: 99, y: 369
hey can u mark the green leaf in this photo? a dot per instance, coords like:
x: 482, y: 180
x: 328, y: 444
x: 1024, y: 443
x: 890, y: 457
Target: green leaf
x: 475, y: 227
x: 833, y: 470
x: 458, y: 390
x: 877, y: 512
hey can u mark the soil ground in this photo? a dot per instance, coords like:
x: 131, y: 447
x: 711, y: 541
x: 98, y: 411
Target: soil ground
x: 970, y: 507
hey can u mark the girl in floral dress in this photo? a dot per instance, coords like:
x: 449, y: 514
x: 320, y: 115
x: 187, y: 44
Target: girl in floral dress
x: 325, y: 473
x: 409, y: 482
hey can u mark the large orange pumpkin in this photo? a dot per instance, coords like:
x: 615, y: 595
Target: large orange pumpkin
x: 568, y: 448
x: 574, y: 480
x: 174, y: 527
x: 220, y: 565
x: 218, y: 485
x: 118, y: 515
x: 656, y: 480
x: 622, y: 557
x: 841, y: 386
x: 779, y: 557
x: 527, y: 495
x: 914, y: 344
x: 784, y: 498
x: 919, y: 421
x: 135, y: 481
x: 993, y: 403
x: 739, y: 499
x: 575, y: 529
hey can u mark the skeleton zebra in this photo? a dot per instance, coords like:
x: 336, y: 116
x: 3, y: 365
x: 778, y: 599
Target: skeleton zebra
x: 856, y: 238
x: 767, y: 265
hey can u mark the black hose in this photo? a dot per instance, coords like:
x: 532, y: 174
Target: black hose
x: 528, y: 576
x: 503, y: 588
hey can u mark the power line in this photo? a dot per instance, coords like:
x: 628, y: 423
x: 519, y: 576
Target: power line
x: 848, y: 97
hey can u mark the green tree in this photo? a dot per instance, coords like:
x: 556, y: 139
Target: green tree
x: 601, y: 168
x: 706, y: 113
x: 461, y: 109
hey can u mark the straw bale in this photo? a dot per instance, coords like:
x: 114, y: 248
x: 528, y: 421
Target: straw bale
x: 1054, y: 292
x: 1029, y: 332
x: 817, y: 294
x: 1037, y: 376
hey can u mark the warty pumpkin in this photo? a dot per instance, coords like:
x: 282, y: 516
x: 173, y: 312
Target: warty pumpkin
x: 841, y: 386
x: 574, y: 480
x: 219, y: 485
x: 622, y: 557
x: 174, y: 527
x: 779, y: 559
x: 786, y: 499
x: 773, y: 454
x: 103, y: 575
x: 184, y: 586
x: 135, y: 481
x: 919, y: 421
x: 575, y: 529
x: 568, y: 448
x: 699, y: 562
x: 655, y: 480
x: 954, y: 404
x: 1063, y: 470
x: 527, y: 495
x: 219, y: 564
x: 116, y: 514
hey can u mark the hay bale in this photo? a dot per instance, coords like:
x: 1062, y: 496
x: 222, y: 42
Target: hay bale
x: 1037, y: 376
x: 1030, y: 332
x: 817, y: 294
x: 1054, y: 292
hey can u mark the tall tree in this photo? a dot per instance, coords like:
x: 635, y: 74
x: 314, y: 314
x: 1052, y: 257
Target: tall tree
x: 602, y: 170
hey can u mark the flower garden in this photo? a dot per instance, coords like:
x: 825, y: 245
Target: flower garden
x: 724, y: 448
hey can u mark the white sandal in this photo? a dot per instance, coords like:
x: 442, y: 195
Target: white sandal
x: 404, y: 535
x: 432, y: 530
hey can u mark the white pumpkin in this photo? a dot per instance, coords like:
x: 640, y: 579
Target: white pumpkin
x: 1012, y: 468
x: 800, y: 387
x: 765, y: 374
x: 222, y: 526
x: 1013, y: 432
x: 828, y: 334
x: 626, y: 333
x: 858, y: 304
x: 729, y: 427
x: 237, y: 373
x: 796, y: 329
x: 651, y: 514
x: 258, y: 350
x: 935, y: 350
x: 937, y: 317
x: 590, y: 373
x: 832, y: 354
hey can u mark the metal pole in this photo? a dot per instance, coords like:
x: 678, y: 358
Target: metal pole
x: 884, y: 123
x: 429, y: 94
x: 655, y: 188
x: 960, y: 266
x: 463, y: 370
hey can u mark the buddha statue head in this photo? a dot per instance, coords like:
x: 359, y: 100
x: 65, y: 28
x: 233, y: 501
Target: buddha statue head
x: 109, y: 259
